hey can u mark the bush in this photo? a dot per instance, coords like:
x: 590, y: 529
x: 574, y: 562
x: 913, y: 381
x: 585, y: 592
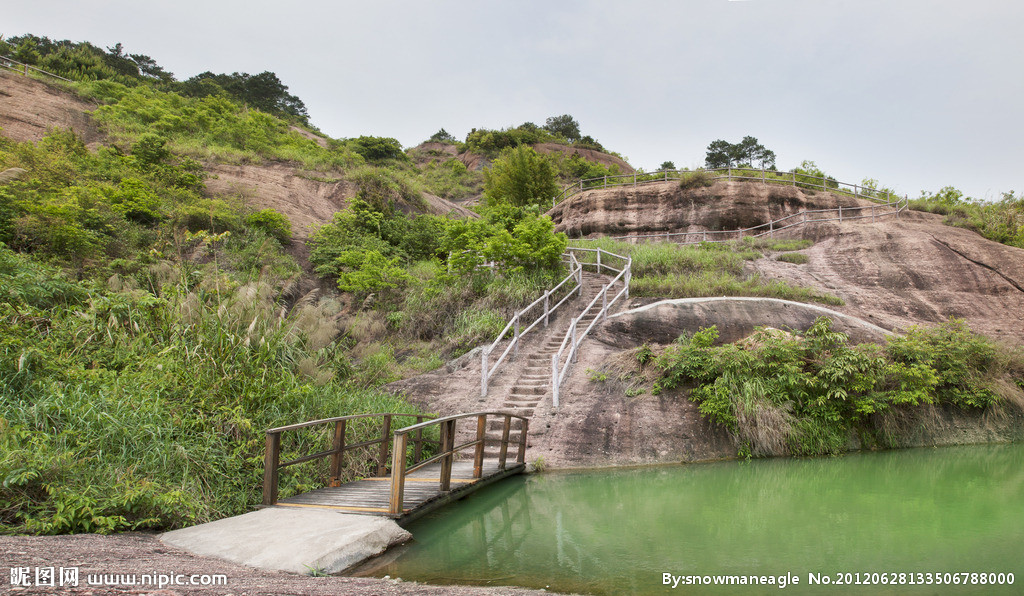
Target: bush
x: 808, y: 393
x: 698, y: 179
x: 520, y: 177
x: 377, y: 149
x: 272, y: 223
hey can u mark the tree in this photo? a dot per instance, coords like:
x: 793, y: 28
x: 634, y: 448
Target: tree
x: 442, y: 136
x: 667, y: 165
x: 719, y: 154
x: 564, y: 126
x: 520, y: 176
x: 748, y: 152
x: 263, y: 91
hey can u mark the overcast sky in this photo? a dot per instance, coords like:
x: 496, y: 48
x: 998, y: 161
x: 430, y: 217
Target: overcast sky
x: 916, y: 93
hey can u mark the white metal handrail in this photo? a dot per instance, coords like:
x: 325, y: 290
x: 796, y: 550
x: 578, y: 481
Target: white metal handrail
x: 762, y: 175
x: 487, y: 370
x: 572, y: 339
x: 804, y: 216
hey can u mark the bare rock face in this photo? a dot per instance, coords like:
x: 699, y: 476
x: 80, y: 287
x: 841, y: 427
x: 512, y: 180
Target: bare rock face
x: 735, y: 318
x: 665, y: 207
x: 605, y: 159
x: 29, y: 108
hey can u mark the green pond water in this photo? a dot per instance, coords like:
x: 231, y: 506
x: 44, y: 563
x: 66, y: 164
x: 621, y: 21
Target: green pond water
x: 938, y: 511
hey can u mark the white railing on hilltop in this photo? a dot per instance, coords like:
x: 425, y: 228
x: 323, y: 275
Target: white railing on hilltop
x: 799, y: 218
x: 766, y: 176
x: 568, y: 350
x: 514, y: 325
x: 20, y: 67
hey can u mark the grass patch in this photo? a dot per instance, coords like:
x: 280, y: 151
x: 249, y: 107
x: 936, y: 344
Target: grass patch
x: 668, y: 270
x: 797, y: 258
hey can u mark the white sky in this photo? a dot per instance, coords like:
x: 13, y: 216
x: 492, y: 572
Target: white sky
x: 916, y: 93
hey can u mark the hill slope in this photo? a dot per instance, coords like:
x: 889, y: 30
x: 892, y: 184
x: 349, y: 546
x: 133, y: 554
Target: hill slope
x: 894, y: 273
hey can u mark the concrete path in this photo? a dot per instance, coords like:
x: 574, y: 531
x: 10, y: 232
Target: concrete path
x: 297, y: 540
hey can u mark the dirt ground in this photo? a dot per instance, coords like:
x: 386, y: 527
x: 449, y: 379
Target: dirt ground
x: 139, y: 554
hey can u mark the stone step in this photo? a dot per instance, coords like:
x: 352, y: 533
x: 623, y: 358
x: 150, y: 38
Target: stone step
x: 528, y: 390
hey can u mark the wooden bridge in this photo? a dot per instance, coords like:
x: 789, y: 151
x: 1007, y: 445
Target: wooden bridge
x: 403, y: 483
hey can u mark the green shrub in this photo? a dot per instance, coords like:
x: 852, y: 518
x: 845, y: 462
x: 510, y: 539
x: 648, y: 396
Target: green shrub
x: 698, y: 179
x: 272, y: 223
x: 809, y: 393
x: 520, y: 177
x: 797, y: 258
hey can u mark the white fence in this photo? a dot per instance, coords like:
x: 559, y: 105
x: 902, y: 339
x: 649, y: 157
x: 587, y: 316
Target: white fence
x: 742, y: 174
x: 799, y: 218
x: 570, y: 284
x: 12, y: 64
x: 568, y: 350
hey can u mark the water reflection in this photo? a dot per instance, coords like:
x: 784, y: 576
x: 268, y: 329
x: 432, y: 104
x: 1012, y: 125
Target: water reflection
x: 952, y: 509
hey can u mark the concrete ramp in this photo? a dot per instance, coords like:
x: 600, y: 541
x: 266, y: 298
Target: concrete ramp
x: 299, y: 540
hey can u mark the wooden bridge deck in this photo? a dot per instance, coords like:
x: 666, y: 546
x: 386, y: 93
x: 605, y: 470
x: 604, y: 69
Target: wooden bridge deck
x: 371, y: 496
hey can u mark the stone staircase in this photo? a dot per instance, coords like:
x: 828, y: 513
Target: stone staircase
x: 531, y: 390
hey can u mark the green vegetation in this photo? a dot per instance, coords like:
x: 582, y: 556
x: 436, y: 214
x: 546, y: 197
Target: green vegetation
x: 723, y: 154
x: 669, y: 270
x: 520, y: 177
x: 797, y: 258
x: 809, y: 394
x: 1001, y: 221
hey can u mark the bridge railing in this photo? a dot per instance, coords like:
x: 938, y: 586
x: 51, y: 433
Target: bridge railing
x: 569, y: 348
x: 449, y: 450
x: 542, y: 308
x: 797, y: 179
x: 340, y: 444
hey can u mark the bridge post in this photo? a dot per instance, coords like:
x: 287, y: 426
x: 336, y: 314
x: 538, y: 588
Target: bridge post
x: 447, y: 445
x: 521, y: 457
x: 382, y: 457
x: 478, y: 453
x: 398, y: 474
x: 554, y: 380
x: 338, y: 448
x: 271, y: 458
x: 503, y: 453
x: 417, y: 453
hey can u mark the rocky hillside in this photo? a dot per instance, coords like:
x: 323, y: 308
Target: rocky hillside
x: 894, y: 273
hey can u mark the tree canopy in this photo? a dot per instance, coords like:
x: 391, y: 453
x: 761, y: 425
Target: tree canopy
x: 520, y: 176
x: 748, y: 152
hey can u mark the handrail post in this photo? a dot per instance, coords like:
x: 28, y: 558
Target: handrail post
x: 547, y: 309
x: 605, y: 181
x: 515, y: 337
x: 628, y: 276
x: 604, y: 302
x: 483, y: 373
x: 503, y: 453
x: 840, y: 214
x: 599, y: 261
x: 401, y: 443
x: 382, y: 458
x: 572, y: 346
x: 338, y: 446
x: 271, y: 458
x: 447, y: 446
x: 771, y: 228
x: 478, y: 455
x: 521, y: 456
x: 417, y: 442
x: 554, y: 380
